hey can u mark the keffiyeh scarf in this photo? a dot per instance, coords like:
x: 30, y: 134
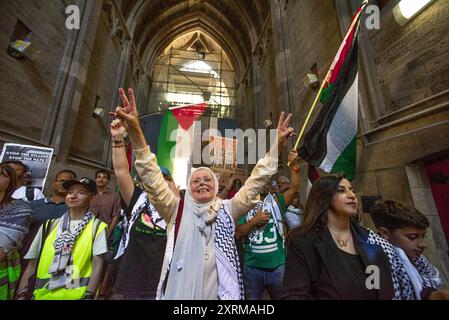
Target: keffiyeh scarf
x: 14, y: 222
x: 64, y: 243
x: 141, y: 205
x: 404, y: 287
x: 269, y: 204
x: 230, y: 280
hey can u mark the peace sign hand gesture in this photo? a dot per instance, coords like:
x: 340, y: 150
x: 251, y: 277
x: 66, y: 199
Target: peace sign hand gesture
x: 283, y: 129
x: 127, y: 113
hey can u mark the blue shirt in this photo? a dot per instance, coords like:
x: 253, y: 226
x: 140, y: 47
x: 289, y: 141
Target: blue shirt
x: 45, y: 209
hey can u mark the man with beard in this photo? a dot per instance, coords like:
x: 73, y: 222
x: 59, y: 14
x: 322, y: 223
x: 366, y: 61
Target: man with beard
x: 52, y: 207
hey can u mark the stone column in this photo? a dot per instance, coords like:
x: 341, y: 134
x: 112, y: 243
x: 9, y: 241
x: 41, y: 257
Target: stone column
x: 126, y: 47
x: 61, y: 81
x: 71, y: 79
x: 284, y: 73
x: 283, y: 61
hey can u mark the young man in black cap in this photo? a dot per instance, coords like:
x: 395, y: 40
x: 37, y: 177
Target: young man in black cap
x: 68, y: 252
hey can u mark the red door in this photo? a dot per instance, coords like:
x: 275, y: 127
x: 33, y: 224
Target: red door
x: 438, y: 173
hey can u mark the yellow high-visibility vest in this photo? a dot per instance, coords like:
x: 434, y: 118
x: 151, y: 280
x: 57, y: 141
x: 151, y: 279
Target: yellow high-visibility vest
x: 80, y: 271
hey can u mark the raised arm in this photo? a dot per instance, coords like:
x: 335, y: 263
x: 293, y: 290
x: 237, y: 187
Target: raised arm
x: 130, y: 118
x: 158, y: 191
x: 120, y: 162
x: 246, y: 197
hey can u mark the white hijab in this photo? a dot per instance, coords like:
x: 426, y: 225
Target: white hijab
x: 185, y: 280
x: 189, y: 201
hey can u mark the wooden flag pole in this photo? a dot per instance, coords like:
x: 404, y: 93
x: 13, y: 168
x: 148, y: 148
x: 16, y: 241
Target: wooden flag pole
x: 310, y: 112
x: 325, y: 80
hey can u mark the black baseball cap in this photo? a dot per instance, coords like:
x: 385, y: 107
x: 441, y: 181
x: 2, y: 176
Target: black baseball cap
x: 89, y: 184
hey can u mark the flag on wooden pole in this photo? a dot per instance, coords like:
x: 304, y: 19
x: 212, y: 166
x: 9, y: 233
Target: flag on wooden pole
x: 330, y: 144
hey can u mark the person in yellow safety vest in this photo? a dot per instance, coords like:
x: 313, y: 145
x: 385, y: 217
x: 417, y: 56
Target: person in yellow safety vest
x: 68, y: 252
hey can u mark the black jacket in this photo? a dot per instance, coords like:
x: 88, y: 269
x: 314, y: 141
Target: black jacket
x: 316, y: 269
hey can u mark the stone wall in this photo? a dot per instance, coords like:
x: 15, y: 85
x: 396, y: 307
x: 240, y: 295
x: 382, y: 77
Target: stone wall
x: 312, y: 37
x: 405, y: 68
x: 91, y: 133
x: 267, y: 98
x: 49, y: 99
x: 27, y: 85
x: 412, y: 61
x: 412, y: 123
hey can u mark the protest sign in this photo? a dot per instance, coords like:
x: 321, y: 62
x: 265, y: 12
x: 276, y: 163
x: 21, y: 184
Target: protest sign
x: 37, y: 159
x: 223, y: 152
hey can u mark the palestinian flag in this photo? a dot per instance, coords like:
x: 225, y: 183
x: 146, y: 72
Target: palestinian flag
x: 330, y: 144
x: 164, y: 133
x: 176, y: 141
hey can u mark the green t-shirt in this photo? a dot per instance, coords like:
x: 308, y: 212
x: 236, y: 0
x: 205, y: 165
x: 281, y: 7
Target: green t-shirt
x: 268, y: 250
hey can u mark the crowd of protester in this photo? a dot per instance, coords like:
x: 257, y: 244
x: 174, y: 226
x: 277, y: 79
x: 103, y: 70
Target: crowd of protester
x: 154, y: 241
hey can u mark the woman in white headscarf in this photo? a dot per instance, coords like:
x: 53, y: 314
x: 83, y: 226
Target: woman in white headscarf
x: 201, y: 260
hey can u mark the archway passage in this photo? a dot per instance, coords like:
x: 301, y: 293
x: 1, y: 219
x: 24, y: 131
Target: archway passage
x: 192, y: 69
x: 195, y: 50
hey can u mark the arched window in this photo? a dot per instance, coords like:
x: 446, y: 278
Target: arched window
x: 194, y: 69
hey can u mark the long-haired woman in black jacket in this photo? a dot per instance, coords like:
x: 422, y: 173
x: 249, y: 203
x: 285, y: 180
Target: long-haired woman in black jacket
x: 330, y: 256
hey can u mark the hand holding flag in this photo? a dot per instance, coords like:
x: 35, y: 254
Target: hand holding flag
x: 293, y: 159
x: 330, y: 144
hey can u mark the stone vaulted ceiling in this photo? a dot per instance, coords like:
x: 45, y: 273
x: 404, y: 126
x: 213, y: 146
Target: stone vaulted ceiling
x: 234, y: 24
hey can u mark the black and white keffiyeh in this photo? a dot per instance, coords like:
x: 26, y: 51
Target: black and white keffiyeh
x: 65, y: 241
x: 15, y: 219
x: 254, y: 234
x: 230, y: 280
x: 269, y: 204
x: 402, y: 283
x: 142, y: 204
x: 429, y: 274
